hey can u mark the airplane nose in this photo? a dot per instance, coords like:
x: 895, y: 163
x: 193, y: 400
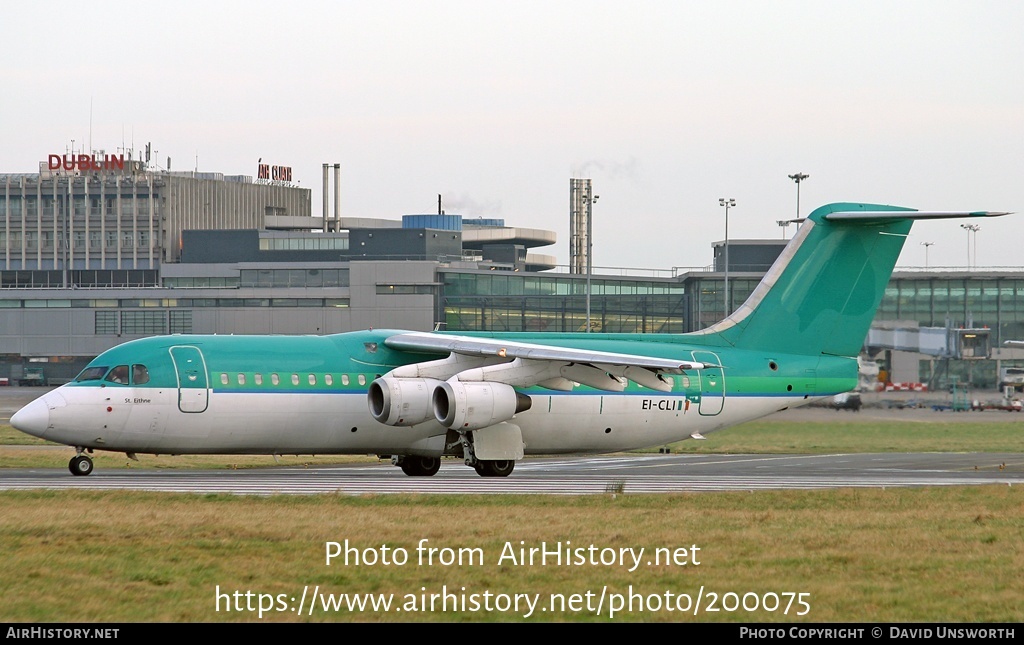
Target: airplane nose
x: 34, y: 418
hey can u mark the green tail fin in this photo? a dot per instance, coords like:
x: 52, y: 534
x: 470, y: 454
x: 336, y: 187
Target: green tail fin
x: 822, y: 293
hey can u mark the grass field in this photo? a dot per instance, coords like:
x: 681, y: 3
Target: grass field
x: 951, y: 554
x: 907, y: 555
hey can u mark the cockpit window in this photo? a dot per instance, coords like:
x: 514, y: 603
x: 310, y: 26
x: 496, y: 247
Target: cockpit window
x: 118, y: 375
x: 92, y: 374
x: 140, y: 374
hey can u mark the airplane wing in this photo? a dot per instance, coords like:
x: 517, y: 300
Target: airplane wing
x: 525, y: 364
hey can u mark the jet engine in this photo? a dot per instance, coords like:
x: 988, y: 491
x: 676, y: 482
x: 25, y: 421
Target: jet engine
x: 476, y: 404
x: 401, y: 401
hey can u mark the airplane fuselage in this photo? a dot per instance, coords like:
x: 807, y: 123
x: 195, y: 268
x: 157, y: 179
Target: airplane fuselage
x: 308, y: 395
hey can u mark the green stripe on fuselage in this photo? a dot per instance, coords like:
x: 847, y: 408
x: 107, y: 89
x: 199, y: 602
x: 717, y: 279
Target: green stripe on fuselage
x: 364, y: 354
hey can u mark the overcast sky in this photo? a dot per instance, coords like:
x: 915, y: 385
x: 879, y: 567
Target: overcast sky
x: 666, y: 105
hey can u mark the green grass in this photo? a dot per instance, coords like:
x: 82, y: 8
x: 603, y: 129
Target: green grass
x: 950, y: 554
x: 898, y: 555
x: 771, y: 436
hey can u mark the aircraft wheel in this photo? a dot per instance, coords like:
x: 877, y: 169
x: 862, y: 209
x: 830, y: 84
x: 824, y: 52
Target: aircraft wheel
x: 495, y: 468
x: 421, y: 466
x: 80, y: 466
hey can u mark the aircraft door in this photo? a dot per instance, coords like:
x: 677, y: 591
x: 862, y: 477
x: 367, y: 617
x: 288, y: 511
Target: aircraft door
x: 712, y: 384
x: 193, y: 384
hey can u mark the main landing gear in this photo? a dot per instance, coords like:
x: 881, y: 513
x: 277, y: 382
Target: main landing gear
x: 414, y: 466
x: 496, y: 468
x: 81, y: 464
x: 420, y: 466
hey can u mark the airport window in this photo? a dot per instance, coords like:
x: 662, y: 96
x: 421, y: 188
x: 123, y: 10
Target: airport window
x: 275, y: 379
x: 181, y: 322
x: 50, y: 303
x: 295, y: 379
x: 404, y: 289
x: 258, y: 379
x: 328, y: 379
x: 223, y: 379
x: 241, y: 379
x: 143, y: 322
x: 312, y: 379
x: 140, y: 374
x: 106, y: 323
x: 118, y: 375
x: 344, y: 379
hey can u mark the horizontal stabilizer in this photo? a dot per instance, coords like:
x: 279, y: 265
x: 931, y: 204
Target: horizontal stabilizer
x: 846, y: 216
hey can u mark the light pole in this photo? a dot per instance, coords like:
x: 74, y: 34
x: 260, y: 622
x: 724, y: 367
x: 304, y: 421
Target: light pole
x: 926, y: 245
x: 971, y: 228
x: 589, y: 200
x: 798, y: 177
x: 727, y: 203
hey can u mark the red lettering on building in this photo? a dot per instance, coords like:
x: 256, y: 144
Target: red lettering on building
x: 85, y: 163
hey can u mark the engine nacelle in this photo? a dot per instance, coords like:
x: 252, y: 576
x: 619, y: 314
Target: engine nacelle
x: 476, y: 404
x: 401, y: 401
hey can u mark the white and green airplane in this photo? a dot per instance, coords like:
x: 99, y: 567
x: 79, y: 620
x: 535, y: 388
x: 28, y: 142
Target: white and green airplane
x: 491, y: 398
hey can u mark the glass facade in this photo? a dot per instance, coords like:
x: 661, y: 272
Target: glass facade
x: 54, y: 279
x: 507, y: 301
x: 995, y: 302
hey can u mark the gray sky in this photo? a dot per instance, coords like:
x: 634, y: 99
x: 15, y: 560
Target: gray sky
x: 666, y: 106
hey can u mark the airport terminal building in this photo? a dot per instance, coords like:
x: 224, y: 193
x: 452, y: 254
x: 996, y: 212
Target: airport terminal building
x: 97, y: 251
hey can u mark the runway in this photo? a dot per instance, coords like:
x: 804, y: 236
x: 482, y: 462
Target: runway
x: 563, y: 476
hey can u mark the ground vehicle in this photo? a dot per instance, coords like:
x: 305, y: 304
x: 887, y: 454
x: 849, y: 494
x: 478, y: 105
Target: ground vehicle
x: 32, y: 376
x: 1011, y: 377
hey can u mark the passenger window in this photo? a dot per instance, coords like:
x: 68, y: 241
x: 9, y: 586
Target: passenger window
x: 241, y: 379
x: 328, y: 379
x: 118, y: 375
x: 140, y: 374
x: 223, y: 379
x: 258, y: 378
x: 274, y: 379
x: 362, y: 379
x: 312, y: 379
x: 344, y: 379
x: 295, y: 379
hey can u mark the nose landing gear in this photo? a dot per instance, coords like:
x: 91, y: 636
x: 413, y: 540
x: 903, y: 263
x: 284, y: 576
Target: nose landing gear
x: 81, y: 464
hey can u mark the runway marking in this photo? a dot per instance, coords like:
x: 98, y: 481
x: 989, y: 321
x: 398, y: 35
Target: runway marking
x: 568, y: 476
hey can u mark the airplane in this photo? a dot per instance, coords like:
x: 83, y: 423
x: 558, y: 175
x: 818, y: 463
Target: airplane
x: 492, y: 398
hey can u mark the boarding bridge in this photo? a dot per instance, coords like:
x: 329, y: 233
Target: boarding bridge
x: 943, y: 343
